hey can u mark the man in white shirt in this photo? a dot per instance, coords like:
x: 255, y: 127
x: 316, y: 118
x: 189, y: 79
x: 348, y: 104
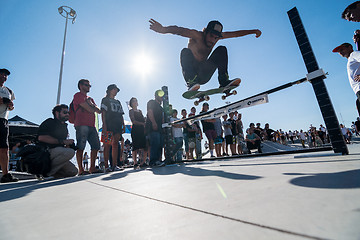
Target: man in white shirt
x: 6, y: 104
x: 353, y: 68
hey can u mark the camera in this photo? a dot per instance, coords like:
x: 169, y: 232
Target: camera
x: 73, y: 146
x: 6, y: 100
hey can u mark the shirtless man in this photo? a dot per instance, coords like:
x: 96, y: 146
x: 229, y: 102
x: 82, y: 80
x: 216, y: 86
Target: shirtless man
x: 197, y: 66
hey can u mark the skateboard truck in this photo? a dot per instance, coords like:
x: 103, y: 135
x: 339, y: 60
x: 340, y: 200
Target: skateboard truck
x: 204, y: 98
x: 228, y: 93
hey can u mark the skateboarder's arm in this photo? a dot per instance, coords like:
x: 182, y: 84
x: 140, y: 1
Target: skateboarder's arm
x: 241, y: 33
x: 181, y: 31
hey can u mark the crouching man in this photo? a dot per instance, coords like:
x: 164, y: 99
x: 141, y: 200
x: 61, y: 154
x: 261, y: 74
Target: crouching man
x: 53, y: 132
x: 253, y: 140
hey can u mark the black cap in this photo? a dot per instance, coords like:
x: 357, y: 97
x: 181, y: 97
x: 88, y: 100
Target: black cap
x: 4, y: 70
x: 112, y: 86
x: 215, y: 27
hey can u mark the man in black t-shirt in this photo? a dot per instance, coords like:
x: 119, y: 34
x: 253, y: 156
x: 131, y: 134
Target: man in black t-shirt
x: 154, y: 120
x: 209, y: 129
x: 53, y: 133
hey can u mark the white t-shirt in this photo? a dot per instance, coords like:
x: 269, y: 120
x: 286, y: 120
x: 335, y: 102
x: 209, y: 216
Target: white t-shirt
x: 353, y: 68
x: 4, y: 93
x: 177, y: 132
x: 227, y: 129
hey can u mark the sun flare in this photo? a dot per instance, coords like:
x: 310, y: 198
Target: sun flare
x: 143, y: 64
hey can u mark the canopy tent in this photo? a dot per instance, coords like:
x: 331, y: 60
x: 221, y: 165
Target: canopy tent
x: 21, y: 130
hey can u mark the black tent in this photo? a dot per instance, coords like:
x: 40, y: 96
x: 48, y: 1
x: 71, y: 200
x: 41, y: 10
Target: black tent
x: 21, y: 130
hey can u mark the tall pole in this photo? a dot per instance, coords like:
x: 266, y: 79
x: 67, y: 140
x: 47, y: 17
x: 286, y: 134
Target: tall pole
x: 68, y: 13
x: 62, y: 64
x: 321, y: 93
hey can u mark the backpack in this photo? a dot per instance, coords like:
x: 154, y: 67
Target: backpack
x: 35, y: 159
x: 72, y: 112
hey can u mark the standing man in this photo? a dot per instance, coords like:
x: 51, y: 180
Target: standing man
x: 154, y: 121
x: 113, y: 121
x: 209, y: 129
x: 6, y: 104
x: 53, y: 133
x: 353, y: 68
x: 85, y: 109
x: 197, y: 64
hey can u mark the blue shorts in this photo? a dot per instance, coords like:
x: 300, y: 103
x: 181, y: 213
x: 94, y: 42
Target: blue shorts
x: 218, y: 140
x: 86, y: 133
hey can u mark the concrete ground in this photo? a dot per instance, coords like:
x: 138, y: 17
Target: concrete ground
x: 293, y: 196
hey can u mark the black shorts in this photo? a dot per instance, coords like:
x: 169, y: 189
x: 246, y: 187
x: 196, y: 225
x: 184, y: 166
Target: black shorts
x: 229, y: 139
x: 4, y: 133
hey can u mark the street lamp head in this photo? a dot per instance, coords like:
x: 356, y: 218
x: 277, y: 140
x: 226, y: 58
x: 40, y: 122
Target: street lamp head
x: 67, y: 12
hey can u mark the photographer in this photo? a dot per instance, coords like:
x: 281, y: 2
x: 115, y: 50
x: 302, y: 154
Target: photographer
x: 53, y: 133
x: 6, y: 105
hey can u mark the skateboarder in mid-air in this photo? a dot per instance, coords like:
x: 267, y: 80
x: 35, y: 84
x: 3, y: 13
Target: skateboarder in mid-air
x: 197, y: 66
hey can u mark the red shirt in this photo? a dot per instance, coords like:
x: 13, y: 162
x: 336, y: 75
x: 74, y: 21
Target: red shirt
x: 83, y: 117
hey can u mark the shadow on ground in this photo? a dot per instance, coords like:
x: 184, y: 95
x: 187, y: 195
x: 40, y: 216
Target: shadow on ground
x: 23, y: 188
x: 187, y: 170
x: 337, y: 180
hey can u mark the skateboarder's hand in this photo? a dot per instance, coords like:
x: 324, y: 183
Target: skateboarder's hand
x: 156, y: 26
x: 257, y: 33
x: 357, y: 78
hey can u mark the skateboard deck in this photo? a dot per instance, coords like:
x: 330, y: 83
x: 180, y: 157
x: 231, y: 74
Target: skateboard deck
x: 204, y: 95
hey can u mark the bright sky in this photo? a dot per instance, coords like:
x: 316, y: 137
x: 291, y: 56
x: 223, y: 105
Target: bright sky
x: 109, y: 36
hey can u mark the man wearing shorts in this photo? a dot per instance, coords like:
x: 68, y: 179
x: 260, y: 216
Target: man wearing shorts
x: 6, y: 105
x: 209, y: 129
x: 85, y: 109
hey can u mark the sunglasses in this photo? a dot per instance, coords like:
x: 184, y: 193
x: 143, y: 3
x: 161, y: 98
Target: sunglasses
x: 65, y: 112
x: 87, y: 85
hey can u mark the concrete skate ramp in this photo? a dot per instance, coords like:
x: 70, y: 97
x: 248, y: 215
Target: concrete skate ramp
x: 269, y: 147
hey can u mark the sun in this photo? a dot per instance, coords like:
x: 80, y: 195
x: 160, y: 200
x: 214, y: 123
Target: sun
x: 143, y: 64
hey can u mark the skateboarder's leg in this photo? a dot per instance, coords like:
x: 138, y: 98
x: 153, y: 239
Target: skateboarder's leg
x: 189, y: 67
x: 220, y: 59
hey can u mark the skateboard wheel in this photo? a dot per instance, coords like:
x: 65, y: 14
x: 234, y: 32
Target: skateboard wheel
x: 196, y: 103
x: 234, y: 92
x: 223, y: 97
x: 207, y: 98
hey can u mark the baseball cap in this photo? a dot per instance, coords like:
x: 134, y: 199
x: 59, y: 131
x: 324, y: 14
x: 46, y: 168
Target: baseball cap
x: 4, y: 70
x: 112, y: 86
x: 337, y: 49
x: 215, y: 27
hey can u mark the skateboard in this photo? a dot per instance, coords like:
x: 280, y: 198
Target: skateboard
x: 205, y: 95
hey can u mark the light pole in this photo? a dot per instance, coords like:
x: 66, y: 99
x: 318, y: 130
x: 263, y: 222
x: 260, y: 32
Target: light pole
x: 68, y: 13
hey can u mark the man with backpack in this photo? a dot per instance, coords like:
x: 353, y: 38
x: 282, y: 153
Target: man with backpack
x: 6, y: 105
x: 53, y: 133
x: 85, y: 108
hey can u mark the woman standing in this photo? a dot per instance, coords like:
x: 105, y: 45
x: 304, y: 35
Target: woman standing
x: 137, y: 133
x: 113, y: 125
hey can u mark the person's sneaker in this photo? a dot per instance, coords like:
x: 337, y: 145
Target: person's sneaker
x: 8, y: 178
x: 136, y: 166
x: 144, y: 165
x: 116, y: 168
x: 107, y: 170
x: 193, y: 87
x: 227, y: 83
x: 159, y: 164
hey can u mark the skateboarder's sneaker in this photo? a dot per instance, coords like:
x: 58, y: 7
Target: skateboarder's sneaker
x: 228, y: 83
x: 192, y: 84
x: 193, y: 87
